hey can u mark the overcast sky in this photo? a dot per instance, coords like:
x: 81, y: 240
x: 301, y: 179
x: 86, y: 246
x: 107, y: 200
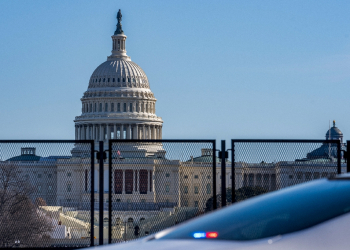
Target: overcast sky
x: 219, y: 69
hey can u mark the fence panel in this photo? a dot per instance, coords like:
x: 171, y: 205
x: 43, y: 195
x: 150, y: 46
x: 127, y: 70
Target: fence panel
x: 157, y: 184
x: 261, y: 166
x: 45, y: 194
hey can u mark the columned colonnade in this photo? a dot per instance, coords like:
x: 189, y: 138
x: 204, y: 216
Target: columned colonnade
x: 100, y: 132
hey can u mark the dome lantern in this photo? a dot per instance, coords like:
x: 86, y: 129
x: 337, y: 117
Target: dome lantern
x: 118, y: 42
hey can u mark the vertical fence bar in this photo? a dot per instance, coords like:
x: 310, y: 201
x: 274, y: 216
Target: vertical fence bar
x: 223, y: 173
x: 101, y: 194
x: 92, y: 213
x: 233, y: 174
x: 214, y: 175
x: 110, y: 159
x: 347, y: 156
x: 339, y: 157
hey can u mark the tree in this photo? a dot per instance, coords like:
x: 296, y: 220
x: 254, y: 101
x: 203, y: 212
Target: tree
x: 40, y: 202
x: 20, y: 219
x: 241, y: 194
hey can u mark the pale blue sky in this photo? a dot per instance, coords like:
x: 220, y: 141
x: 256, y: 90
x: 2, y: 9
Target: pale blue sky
x: 219, y: 69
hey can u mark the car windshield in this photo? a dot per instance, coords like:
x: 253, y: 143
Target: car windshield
x: 277, y: 213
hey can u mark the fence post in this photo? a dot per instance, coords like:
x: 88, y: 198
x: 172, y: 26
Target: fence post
x: 233, y: 174
x: 92, y: 187
x: 101, y: 194
x: 347, y: 156
x: 339, y: 157
x: 110, y: 190
x: 223, y: 173
x: 214, y: 176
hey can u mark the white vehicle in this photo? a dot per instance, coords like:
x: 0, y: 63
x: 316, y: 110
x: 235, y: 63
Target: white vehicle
x: 314, y: 215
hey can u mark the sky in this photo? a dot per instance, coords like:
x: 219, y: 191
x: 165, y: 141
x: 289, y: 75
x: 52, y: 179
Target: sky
x: 219, y: 69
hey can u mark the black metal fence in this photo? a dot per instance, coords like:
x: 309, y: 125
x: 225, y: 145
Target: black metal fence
x: 53, y: 195
x: 261, y: 166
x: 157, y: 184
x: 43, y: 185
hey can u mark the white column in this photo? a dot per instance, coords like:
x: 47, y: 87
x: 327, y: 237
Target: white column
x: 108, y: 132
x: 123, y: 182
x: 101, y: 133
x: 143, y: 132
x: 78, y: 137
x: 122, y: 131
x: 127, y: 131
x: 136, y: 128
x: 154, y: 132
x: 149, y: 132
x: 93, y: 131
x: 115, y: 131
x: 160, y: 132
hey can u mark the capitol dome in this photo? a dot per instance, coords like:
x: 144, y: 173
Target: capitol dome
x: 118, y: 103
x: 334, y: 133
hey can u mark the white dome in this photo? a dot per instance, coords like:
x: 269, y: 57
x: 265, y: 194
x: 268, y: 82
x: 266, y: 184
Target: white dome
x: 118, y: 73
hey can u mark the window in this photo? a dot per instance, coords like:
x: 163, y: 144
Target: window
x: 186, y: 189
x: 112, y: 107
x: 69, y: 187
x: 142, y: 219
x: 196, y: 203
x: 186, y: 177
x: 123, y: 79
x: 128, y: 79
x: 49, y: 176
x: 50, y: 188
x: 113, y: 79
x: 167, y: 188
x: 108, y: 79
x: 104, y: 79
x: 106, y: 107
x: 299, y: 175
x: 95, y: 107
x: 39, y: 188
x: 99, y: 80
x: 100, y: 107
x: 90, y: 107
x: 105, y: 219
x: 130, y: 220
x: 208, y: 177
x: 118, y: 79
x: 117, y: 200
x: 69, y: 174
x: 196, y: 176
x: 39, y: 175
x: 130, y: 108
x: 124, y: 107
x: 208, y: 188
x: 196, y: 189
x: 118, y: 107
x: 143, y: 200
x: 290, y: 176
x: 167, y: 175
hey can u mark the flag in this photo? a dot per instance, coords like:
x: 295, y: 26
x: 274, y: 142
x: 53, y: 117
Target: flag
x: 118, y: 152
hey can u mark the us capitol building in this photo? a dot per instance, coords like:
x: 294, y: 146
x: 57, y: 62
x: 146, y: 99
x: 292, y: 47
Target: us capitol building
x: 149, y: 189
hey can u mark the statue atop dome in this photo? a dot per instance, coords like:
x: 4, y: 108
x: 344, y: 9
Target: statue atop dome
x: 119, y: 25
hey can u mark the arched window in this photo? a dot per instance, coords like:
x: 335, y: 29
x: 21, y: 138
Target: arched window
x: 142, y: 219
x: 100, y: 107
x: 118, y: 107
x: 130, y: 108
x: 130, y: 220
x: 108, y: 79
x: 106, y: 107
x: 113, y: 79
x: 95, y: 107
x: 112, y: 107
x: 124, y: 107
x: 90, y: 107
x: 104, y: 79
x: 208, y: 188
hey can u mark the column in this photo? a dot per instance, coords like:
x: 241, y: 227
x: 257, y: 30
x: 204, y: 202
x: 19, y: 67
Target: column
x: 154, y: 132
x: 115, y: 131
x: 78, y: 137
x: 93, y: 132
x: 108, y: 132
x: 127, y: 131
x: 101, y: 133
x: 123, y: 192
x: 134, y: 181
x: 122, y: 131
x: 149, y: 132
x: 135, y: 132
x: 143, y: 131
x: 160, y: 132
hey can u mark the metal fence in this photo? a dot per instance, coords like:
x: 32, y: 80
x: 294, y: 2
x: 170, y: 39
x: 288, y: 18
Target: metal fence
x: 157, y: 184
x: 261, y: 166
x: 42, y: 187
x: 52, y: 195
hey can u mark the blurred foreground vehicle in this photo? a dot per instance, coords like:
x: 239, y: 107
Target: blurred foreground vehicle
x: 314, y: 215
